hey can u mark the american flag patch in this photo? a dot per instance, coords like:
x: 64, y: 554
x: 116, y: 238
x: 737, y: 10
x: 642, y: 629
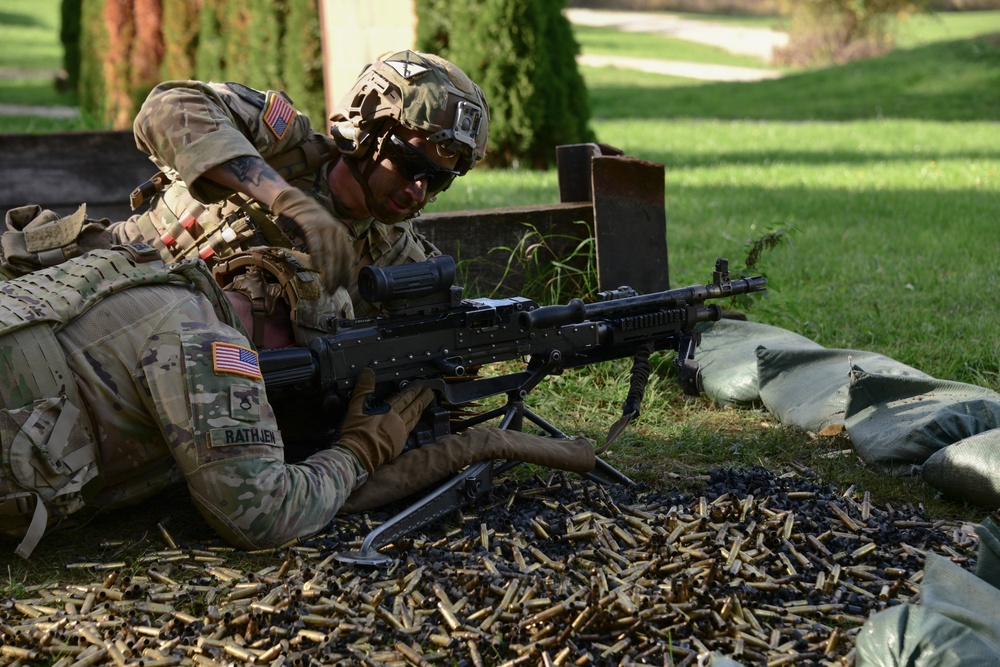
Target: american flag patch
x: 228, y: 358
x: 278, y: 115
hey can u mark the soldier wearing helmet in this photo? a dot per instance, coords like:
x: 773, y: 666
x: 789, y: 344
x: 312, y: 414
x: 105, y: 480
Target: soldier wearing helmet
x: 241, y: 168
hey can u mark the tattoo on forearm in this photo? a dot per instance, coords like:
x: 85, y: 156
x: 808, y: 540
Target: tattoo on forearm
x: 250, y: 169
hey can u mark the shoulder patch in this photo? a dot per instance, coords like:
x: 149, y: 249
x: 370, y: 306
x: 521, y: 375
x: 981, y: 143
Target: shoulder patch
x: 247, y: 94
x: 236, y: 360
x: 278, y: 114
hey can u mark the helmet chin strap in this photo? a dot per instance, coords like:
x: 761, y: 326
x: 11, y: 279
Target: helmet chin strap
x: 362, y: 180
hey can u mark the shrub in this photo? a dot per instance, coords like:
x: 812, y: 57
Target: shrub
x: 180, y: 38
x: 837, y: 31
x: 523, y: 54
x: 302, y: 61
x: 69, y: 35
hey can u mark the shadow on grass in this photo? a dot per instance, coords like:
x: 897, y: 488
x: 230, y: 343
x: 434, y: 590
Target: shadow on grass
x: 949, y: 81
x: 675, y: 159
x: 19, y: 20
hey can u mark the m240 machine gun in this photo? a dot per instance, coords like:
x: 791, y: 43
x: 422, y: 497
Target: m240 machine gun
x: 428, y: 332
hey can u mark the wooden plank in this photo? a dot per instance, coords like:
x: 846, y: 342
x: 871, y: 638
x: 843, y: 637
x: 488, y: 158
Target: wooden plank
x: 491, y: 238
x: 630, y: 223
x: 60, y: 171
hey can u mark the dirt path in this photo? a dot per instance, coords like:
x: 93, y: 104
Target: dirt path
x: 755, y: 42
x: 758, y: 42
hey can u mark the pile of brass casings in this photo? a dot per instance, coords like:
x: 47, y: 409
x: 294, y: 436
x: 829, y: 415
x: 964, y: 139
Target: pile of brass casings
x: 761, y: 568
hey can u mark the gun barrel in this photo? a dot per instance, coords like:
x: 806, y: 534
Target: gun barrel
x: 577, y: 311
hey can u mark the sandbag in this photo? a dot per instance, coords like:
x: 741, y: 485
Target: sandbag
x: 897, y: 417
x: 808, y: 387
x: 968, y: 469
x: 957, y: 622
x: 898, y: 421
x: 728, y: 357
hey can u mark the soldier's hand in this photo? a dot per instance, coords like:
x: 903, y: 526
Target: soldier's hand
x: 330, y: 248
x: 377, y: 436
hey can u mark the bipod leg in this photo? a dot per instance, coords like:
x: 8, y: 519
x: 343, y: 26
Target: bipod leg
x: 460, y: 490
x: 603, y: 472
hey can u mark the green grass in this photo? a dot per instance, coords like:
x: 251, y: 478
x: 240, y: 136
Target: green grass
x: 29, y: 32
x: 946, y: 81
x: 919, y: 29
x: 29, y: 60
x: 888, y: 173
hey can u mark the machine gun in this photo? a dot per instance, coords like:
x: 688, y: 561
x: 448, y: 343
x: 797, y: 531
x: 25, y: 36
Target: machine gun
x: 428, y: 332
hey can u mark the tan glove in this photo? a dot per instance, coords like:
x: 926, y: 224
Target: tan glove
x: 377, y: 438
x: 330, y: 247
x: 419, y: 468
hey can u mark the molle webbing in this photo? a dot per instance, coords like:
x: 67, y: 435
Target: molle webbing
x: 183, y: 227
x: 60, y: 293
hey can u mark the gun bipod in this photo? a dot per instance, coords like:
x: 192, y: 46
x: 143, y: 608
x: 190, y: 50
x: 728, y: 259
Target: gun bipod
x: 463, y: 489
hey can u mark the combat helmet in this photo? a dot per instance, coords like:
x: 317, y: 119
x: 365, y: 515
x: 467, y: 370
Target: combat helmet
x: 419, y: 91
x: 282, y: 282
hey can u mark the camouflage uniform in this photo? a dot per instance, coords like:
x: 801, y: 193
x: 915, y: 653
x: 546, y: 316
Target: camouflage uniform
x: 115, y: 385
x: 188, y: 127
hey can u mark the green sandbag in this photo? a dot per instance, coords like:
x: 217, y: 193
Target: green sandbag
x: 968, y: 469
x: 896, y: 416
x: 807, y: 387
x: 728, y: 358
x: 957, y: 622
x: 897, y: 422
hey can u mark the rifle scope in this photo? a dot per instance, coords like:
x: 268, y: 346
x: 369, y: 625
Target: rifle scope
x: 379, y: 284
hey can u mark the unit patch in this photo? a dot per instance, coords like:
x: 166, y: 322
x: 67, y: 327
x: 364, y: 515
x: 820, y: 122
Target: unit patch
x: 407, y: 70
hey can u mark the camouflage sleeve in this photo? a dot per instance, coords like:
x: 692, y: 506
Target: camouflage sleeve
x: 213, y: 410
x: 189, y: 127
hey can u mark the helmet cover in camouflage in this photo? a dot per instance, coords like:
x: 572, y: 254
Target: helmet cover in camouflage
x: 419, y: 91
x: 287, y: 275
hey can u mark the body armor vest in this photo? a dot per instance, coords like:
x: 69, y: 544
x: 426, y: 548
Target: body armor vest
x: 181, y: 227
x: 48, y: 449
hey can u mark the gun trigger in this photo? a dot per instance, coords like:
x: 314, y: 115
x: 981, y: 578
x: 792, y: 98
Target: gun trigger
x: 374, y: 406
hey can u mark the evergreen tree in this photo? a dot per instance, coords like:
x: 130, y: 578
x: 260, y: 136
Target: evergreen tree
x: 91, y: 86
x: 180, y: 38
x: 210, y: 63
x: 302, y: 61
x: 267, y: 18
x: 69, y: 35
x: 523, y: 54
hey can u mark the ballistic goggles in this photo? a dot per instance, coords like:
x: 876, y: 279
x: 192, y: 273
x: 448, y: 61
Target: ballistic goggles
x: 413, y: 165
